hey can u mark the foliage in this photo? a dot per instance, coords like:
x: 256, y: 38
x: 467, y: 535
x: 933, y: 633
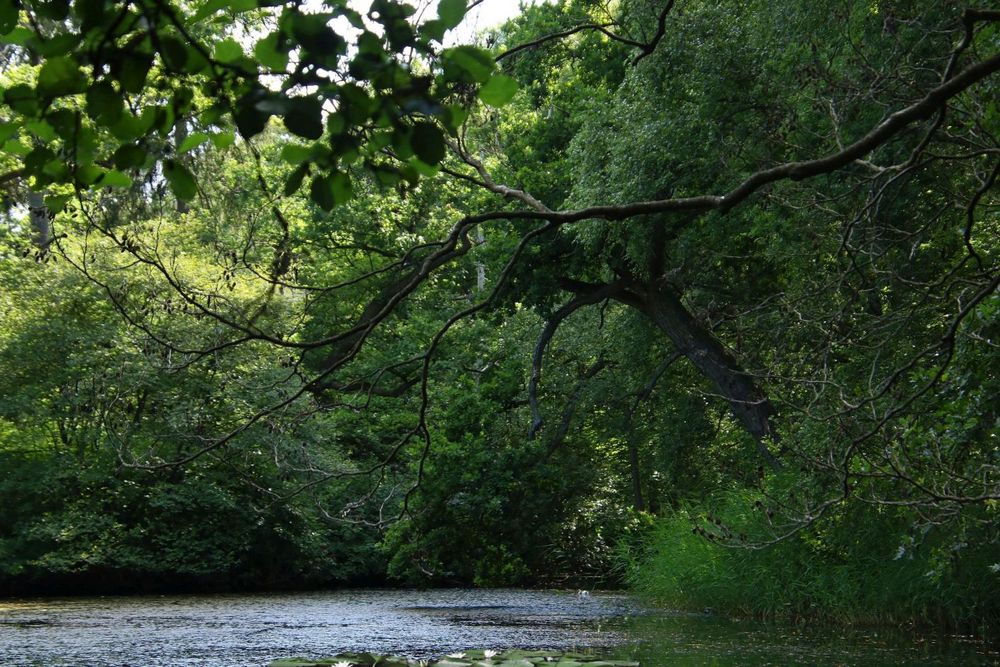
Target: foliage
x: 857, y: 566
x: 484, y: 313
x: 127, y: 87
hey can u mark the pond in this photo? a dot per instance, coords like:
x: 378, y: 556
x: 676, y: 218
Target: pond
x: 250, y: 630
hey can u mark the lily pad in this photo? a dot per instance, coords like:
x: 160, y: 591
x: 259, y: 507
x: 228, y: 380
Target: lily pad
x: 472, y: 658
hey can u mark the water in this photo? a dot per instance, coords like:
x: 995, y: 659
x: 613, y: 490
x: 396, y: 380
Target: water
x: 253, y: 629
x: 687, y: 640
x: 245, y: 630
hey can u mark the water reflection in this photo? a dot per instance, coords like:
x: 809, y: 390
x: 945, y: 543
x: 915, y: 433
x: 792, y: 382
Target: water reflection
x: 244, y: 630
x: 683, y: 640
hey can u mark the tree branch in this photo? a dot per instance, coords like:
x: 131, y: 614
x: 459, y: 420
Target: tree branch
x: 597, y: 295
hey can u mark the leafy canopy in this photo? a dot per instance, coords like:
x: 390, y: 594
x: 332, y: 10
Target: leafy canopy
x: 122, y: 83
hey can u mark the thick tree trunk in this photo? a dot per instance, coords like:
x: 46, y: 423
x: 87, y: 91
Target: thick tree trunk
x: 747, y: 400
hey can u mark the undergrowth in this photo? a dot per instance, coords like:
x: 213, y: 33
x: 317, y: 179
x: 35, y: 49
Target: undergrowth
x: 860, y: 567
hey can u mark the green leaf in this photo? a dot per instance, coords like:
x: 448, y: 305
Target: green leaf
x: 22, y: 99
x: 84, y: 144
x: 475, y: 62
x: 305, y: 117
x: 88, y: 174
x: 91, y: 14
x: 331, y: 190
x: 7, y: 130
x: 174, y: 53
x: 132, y: 70
x: 41, y: 129
x: 370, y: 44
x: 209, y: 8
x: 312, y: 32
x: 36, y: 159
x: 56, y: 45
x: 192, y: 141
x: 296, y: 153
x: 56, y: 203
x: 228, y: 51
x: 18, y: 36
x: 453, y: 118
x: 15, y: 147
x: 422, y: 167
x: 8, y: 16
x: 451, y: 12
x: 128, y: 128
x: 342, y: 188
x: 387, y: 176
x: 427, y: 142
x: 321, y: 193
x: 115, y: 179
x: 196, y: 62
x: 56, y: 170
x: 249, y: 117
x: 213, y: 6
x: 222, y: 139
x: 294, y: 181
x: 57, y: 10
x: 182, y: 182
x: 64, y: 122
x: 129, y: 156
x: 269, y: 55
x: 433, y: 30
x: 499, y: 90
x: 61, y: 76
x: 104, y: 102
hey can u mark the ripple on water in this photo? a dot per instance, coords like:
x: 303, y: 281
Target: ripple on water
x: 237, y: 630
x: 244, y: 630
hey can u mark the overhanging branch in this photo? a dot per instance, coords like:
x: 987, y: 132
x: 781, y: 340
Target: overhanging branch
x: 597, y: 295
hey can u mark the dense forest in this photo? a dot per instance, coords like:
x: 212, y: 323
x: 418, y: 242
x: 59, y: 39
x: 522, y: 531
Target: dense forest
x: 694, y: 296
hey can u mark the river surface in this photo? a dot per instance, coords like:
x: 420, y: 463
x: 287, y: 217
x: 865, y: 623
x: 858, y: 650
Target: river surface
x: 250, y: 630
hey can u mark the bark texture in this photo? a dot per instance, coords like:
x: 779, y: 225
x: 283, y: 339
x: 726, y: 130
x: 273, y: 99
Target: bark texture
x: 747, y: 400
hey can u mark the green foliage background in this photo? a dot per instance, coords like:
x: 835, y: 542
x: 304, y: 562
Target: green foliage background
x: 166, y: 423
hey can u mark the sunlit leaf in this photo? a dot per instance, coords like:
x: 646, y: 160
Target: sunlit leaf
x: 228, y: 51
x: 269, y: 55
x: 499, y: 90
x: 56, y: 203
x: 182, y: 182
x: 451, y: 12
x: 115, y: 179
x: 192, y: 141
x: 61, y: 76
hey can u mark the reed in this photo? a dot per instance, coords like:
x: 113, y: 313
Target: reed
x: 850, y: 569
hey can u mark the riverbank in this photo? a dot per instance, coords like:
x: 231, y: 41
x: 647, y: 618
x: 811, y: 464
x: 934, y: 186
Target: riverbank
x: 848, y: 575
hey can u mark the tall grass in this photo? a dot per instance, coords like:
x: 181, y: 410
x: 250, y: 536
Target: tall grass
x: 849, y: 569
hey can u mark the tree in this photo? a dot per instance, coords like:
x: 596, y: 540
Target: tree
x: 784, y: 215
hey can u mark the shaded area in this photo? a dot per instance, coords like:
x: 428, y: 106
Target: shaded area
x: 659, y: 640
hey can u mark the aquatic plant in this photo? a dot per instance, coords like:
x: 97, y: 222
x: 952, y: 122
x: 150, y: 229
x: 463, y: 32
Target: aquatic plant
x: 479, y: 658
